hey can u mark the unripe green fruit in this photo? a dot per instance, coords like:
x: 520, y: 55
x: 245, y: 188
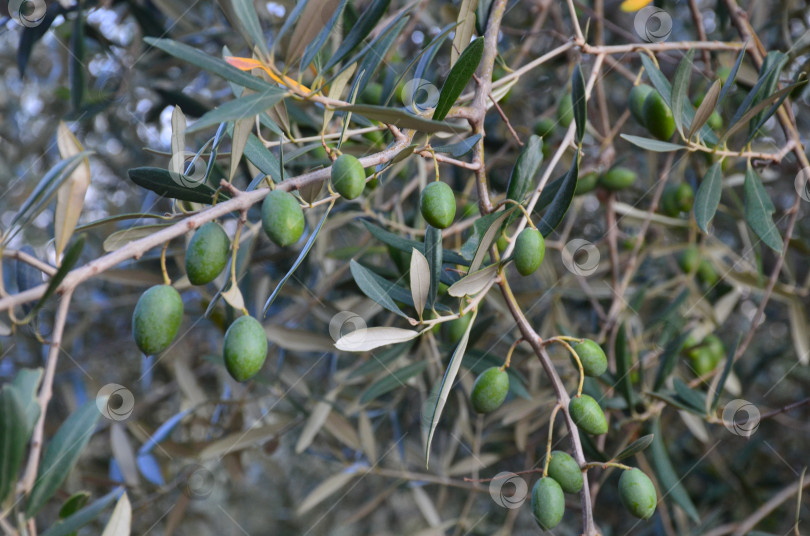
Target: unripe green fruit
x: 637, y: 493
x: 586, y: 183
x: 638, y: 95
x: 658, y: 117
x: 548, y: 503
x: 669, y: 202
x: 618, y: 178
x: 702, y: 361
x: 715, y: 346
x: 372, y: 94
x: 565, y: 111
x: 706, y: 273
x: 688, y: 259
x: 207, y: 253
x: 348, y: 176
x: 530, y: 248
x: 544, y: 127
x: 438, y: 205
x: 489, y: 390
x: 594, y: 361
x: 245, y: 348
x: 685, y: 197
x: 157, y: 318
x: 565, y: 470
x: 586, y: 414
x: 282, y: 218
x: 502, y: 243
x: 457, y: 327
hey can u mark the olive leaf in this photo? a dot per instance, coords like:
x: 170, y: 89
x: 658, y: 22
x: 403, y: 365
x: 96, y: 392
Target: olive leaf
x: 460, y: 74
x: 363, y: 340
x: 310, y: 23
x: 668, y: 359
x: 70, y: 259
x: 70, y: 196
x: 372, y: 288
x: 707, y: 198
x: 243, y: 107
x: 433, y: 409
x: 474, y: 282
x: 759, y: 211
x: 579, y: 100
x: 245, y: 12
x: 174, y: 186
x: 120, y: 521
x: 656, y: 146
x: 420, y: 280
x: 460, y: 148
x: 680, y: 88
x: 528, y: 162
x: 464, y: 30
x: 729, y: 364
x: 241, y: 132
x: 705, y: 110
x: 377, y: 53
x: 433, y: 254
x: 405, y: 244
x: 635, y: 447
x: 492, y: 223
x: 70, y: 524
x: 668, y: 479
x: 392, y: 381
x: 360, y: 30
x: 732, y: 75
x: 313, y: 47
x: 562, y: 200
x: 14, y: 437
x: 403, y: 119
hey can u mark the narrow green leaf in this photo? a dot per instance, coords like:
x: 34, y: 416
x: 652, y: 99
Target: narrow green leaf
x: 371, y: 288
x: 680, y: 88
x: 70, y: 259
x: 261, y: 157
x: 732, y: 75
x: 435, y: 408
x: 668, y: 478
x: 74, y: 522
x: 405, y: 244
x: 707, y: 198
x: 240, y: 108
x: 377, y: 53
x: 61, y: 455
x: 528, y: 162
x: 460, y: 148
x: 301, y: 256
x: 778, y: 60
x: 381, y: 360
x: 403, y: 119
x: 776, y: 98
x: 726, y: 371
x: 759, y: 211
x: 174, y: 186
x: 668, y: 359
x: 474, y: 282
x: 494, y: 222
x: 74, y: 503
x: 562, y: 200
x: 246, y: 13
x: 433, y: 254
x: 689, y: 396
x: 310, y: 23
x: 579, y: 100
x: 13, y: 437
x: 763, y: 116
x: 705, y: 110
x: 635, y: 447
x: 676, y: 402
x: 459, y: 76
x: 361, y: 29
x: 754, y: 95
x: 623, y: 365
x: 27, y: 382
x: 392, y: 381
x: 211, y: 64
x: 464, y: 30
x: 656, y: 146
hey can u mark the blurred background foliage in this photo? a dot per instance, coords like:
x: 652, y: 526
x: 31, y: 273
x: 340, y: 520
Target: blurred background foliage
x: 328, y: 443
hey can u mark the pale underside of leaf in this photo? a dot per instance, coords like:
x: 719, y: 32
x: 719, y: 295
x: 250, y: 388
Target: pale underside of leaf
x: 474, y: 283
x: 464, y: 30
x: 120, y: 522
x: 420, y: 280
x: 70, y: 196
x: 363, y: 340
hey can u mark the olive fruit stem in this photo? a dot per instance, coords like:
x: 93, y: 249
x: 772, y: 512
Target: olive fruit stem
x: 605, y: 465
x: 508, y: 360
x: 576, y: 358
x: 550, y: 437
x: 166, y: 279
x: 522, y: 209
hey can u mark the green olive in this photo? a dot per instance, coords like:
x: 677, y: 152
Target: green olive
x: 282, y: 218
x: 157, y: 318
x: 207, y: 253
x: 658, y: 117
x: 637, y: 96
x: 457, y: 327
x: 618, y: 178
x: 689, y: 259
x: 490, y: 390
x: 544, y: 127
x: 348, y: 176
x: 637, y: 493
x: 438, y: 205
x: 372, y: 94
x: 586, y: 183
x: 530, y: 248
x: 586, y: 414
x: 669, y: 201
x: 706, y: 273
x: 565, y: 111
x: 594, y: 361
x: 566, y: 471
x: 245, y: 348
x: 548, y: 503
